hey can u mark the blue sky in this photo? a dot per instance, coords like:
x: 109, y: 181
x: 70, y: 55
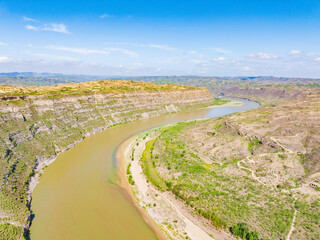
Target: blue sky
x: 217, y: 38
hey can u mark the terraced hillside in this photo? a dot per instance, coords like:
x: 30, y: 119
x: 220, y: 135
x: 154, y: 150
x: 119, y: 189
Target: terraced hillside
x: 256, y: 171
x: 267, y: 95
x: 37, y: 123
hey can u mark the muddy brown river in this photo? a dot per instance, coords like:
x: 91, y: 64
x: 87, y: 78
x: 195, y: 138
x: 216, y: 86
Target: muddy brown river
x: 76, y: 197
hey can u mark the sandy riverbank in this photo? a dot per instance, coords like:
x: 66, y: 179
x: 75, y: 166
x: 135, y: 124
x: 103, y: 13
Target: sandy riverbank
x: 162, y: 210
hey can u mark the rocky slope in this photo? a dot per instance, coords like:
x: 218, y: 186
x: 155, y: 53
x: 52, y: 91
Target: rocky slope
x: 266, y: 95
x: 38, y: 123
x: 260, y: 167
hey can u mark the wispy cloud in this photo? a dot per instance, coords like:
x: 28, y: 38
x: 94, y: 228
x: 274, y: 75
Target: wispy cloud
x: 162, y: 47
x: 53, y: 27
x: 76, y: 67
x: 104, y: 16
x: 149, y: 45
x: 56, y: 27
x: 33, y: 28
x: 313, y: 54
x: 2, y: 44
x: 83, y: 51
x: 4, y: 59
x: 192, y: 52
x: 221, y: 50
x: 262, y: 56
x: 123, y: 51
x: 220, y: 59
x: 55, y: 57
x: 119, y: 43
x: 246, y: 69
x: 29, y: 19
x: 294, y: 52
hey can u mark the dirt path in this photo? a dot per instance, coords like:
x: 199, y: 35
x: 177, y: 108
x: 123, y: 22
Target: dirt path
x: 248, y: 169
x: 276, y: 141
x: 293, y: 222
x: 8, y: 216
x: 257, y: 179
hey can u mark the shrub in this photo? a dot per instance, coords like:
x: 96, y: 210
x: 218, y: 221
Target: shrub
x: 252, y: 236
x: 240, y: 230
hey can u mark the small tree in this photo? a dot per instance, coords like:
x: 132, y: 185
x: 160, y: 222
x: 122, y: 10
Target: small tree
x: 241, y: 230
x: 252, y: 236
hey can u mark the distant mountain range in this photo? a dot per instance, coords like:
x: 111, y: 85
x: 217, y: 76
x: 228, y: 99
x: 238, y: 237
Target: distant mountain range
x: 42, y: 79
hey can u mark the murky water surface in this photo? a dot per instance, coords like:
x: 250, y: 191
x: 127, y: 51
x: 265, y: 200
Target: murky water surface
x: 75, y: 198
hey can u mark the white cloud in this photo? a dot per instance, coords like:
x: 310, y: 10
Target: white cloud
x: 83, y: 51
x: 76, y: 67
x: 294, y: 52
x: 120, y: 43
x: 246, y: 68
x: 63, y: 64
x: 192, y: 52
x: 162, y: 47
x: 54, y: 57
x: 220, y: 59
x: 29, y: 19
x: 150, y: 45
x: 33, y: 28
x: 221, y: 50
x: 54, y: 27
x: 262, y: 56
x: 137, y: 64
x: 104, y: 16
x: 2, y: 44
x: 313, y: 54
x: 123, y: 51
x: 5, y: 59
x: 200, y: 61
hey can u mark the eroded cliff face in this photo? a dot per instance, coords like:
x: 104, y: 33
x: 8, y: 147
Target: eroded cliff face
x: 262, y: 94
x: 34, y: 128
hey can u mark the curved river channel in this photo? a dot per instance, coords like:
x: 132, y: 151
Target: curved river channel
x: 76, y: 198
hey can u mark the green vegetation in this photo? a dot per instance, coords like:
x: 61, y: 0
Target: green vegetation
x: 278, y: 173
x: 242, y: 230
x: 253, y: 144
x: 213, y: 190
x: 87, y: 88
x: 219, y: 101
x: 308, y: 219
x: 9, y: 231
x: 42, y: 79
x: 131, y: 181
x: 149, y: 167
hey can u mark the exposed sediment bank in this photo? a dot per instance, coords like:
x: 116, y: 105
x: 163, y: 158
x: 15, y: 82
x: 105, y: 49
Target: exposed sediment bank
x: 173, y: 217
